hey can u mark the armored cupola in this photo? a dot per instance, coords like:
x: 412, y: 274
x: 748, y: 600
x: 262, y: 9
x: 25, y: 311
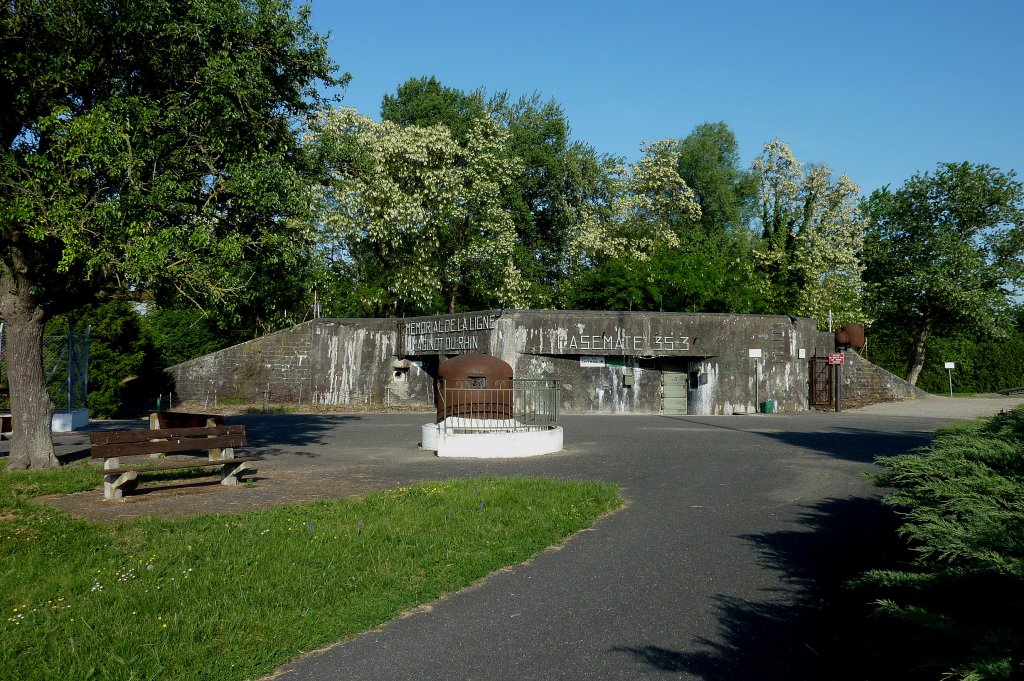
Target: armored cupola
x: 476, y: 384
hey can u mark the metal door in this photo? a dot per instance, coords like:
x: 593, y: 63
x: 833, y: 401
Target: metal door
x: 821, y: 382
x: 675, y: 384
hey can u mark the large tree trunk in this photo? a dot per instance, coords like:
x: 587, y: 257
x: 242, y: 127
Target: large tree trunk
x: 917, y: 363
x: 31, y: 408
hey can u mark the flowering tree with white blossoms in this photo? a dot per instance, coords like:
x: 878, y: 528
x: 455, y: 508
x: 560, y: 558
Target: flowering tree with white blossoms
x: 813, y: 235
x: 650, y: 203
x: 416, y: 215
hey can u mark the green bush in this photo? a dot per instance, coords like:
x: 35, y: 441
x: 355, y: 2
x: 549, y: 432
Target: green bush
x: 982, y: 364
x: 960, y: 598
x: 129, y: 349
x: 180, y: 334
x: 117, y: 353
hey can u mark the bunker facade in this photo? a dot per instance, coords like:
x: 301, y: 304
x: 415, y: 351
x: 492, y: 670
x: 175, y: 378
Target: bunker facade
x: 611, y: 362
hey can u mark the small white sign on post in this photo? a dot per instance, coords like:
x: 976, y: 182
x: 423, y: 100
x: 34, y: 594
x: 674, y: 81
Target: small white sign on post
x: 754, y: 353
x: 950, y: 365
x: 949, y: 370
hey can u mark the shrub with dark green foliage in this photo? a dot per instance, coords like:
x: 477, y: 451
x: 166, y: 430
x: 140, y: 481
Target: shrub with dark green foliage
x: 128, y: 351
x: 961, y: 598
x: 982, y: 364
x: 117, y: 353
x: 180, y: 334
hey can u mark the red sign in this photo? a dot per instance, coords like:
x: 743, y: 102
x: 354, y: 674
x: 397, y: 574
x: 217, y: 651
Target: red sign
x: 836, y: 358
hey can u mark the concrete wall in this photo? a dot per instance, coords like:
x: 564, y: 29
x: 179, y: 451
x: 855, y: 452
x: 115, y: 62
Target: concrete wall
x: 325, y: 361
x: 865, y: 383
x: 550, y: 344
x: 605, y: 361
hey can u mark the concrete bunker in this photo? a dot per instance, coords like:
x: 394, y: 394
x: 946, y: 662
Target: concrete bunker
x: 603, y: 362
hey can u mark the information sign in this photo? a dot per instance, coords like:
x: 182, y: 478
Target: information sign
x: 836, y: 358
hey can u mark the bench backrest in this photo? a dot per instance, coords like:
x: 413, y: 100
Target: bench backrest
x: 106, y: 445
x: 180, y: 419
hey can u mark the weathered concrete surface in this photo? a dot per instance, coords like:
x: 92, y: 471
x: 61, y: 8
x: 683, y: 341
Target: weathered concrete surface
x: 714, y: 349
x: 606, y: 362
x: 866, y: 383
x: 326, y: 361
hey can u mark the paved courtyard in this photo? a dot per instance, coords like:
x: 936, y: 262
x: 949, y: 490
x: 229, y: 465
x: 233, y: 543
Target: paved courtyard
x: 737, y: 531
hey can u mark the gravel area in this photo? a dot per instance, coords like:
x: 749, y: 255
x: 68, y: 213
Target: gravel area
x: 962, y: 408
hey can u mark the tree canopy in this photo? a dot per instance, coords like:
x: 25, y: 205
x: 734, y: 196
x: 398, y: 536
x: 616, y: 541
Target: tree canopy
x: 181, y: 153
x: 709, y: 162
x: 145, y: 147
x: 418, y: 215
x: 812, y: 234
x: 944, y: 252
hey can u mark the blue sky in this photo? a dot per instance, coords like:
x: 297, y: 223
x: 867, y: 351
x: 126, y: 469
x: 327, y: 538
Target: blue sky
x: 878, y: 90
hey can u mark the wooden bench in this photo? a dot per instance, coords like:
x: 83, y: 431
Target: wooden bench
x: 159, y: 420
x: 218, y: 441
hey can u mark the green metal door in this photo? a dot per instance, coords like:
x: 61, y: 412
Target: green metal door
x: 675, y: 383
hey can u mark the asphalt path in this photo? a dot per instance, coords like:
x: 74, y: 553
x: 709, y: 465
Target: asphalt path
x: 736, y: 538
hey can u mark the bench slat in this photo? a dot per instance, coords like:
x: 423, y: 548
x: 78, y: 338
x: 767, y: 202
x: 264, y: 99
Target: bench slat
x: 143, y: 435
x: 179, y: 444
x: 173, y: 465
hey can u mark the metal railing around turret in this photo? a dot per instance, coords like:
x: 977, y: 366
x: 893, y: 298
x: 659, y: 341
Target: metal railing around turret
x: 481, y: 406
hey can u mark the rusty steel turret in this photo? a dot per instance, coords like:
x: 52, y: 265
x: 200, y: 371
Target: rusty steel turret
x: 476, y: 386
x: 850, y: 336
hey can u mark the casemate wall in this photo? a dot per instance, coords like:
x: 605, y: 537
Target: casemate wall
x: 611, y: 362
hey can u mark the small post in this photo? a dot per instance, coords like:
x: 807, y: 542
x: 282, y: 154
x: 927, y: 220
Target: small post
x: 71, y: 360
x: 836, y: 359
x: 755, y: 354
x: 949, y: 369
x: 757, y: 385
x: 839, y: 384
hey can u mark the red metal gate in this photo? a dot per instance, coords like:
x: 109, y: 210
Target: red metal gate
x: 821, y: 382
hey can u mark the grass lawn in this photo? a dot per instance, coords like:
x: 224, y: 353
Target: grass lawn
x: 235, y: 596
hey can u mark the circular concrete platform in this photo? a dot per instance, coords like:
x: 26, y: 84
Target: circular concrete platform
x: 489, y: 439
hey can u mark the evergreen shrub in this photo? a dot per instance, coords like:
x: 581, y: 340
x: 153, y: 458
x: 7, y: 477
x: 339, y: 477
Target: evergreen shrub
x: 959, y: 599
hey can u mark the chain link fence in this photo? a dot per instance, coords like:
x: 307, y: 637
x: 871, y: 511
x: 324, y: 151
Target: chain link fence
x: 65, y: 369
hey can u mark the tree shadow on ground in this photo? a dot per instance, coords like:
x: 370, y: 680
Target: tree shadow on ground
x: 856, y: 444
x: 813, y: 627
x: 849, y: 443
x: 290, y: 430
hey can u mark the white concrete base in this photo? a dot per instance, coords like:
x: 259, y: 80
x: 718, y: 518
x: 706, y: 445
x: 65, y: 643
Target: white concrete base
x: 66, y: 421
x: 495, y: 444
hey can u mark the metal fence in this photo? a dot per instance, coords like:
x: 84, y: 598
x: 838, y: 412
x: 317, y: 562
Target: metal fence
x: 65, y: 369
x: 480, y: 406
x: 5, y: 385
